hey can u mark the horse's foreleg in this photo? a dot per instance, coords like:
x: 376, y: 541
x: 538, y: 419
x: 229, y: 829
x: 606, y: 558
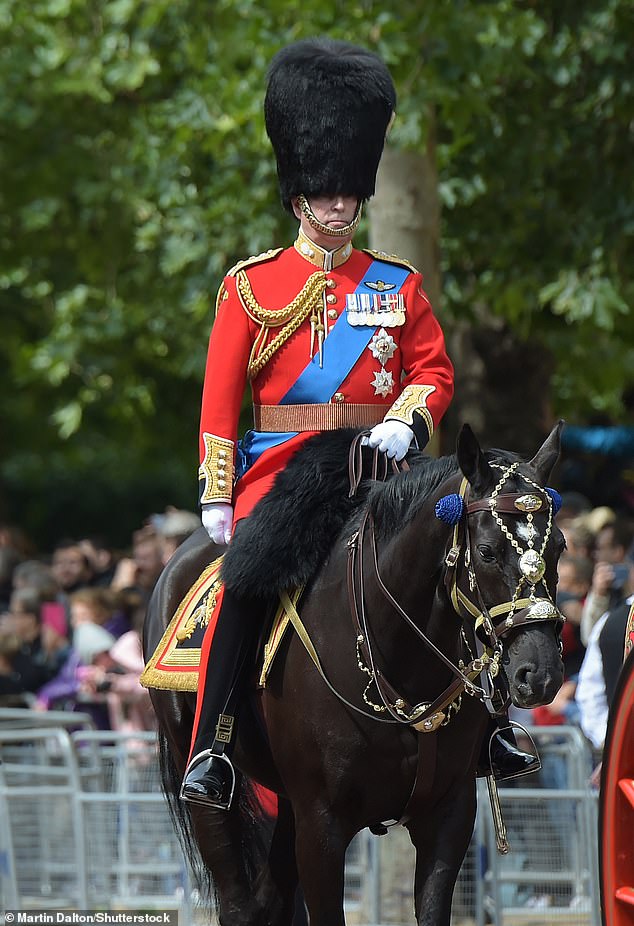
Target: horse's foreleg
x: 321, y: 851
x: 441, y: 837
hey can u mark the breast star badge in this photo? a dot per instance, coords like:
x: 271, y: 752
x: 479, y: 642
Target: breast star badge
x: 382, y: 346
x: 383, y: 383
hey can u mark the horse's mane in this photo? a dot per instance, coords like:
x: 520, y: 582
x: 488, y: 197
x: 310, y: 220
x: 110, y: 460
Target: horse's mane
x: 292, y: 530
x: 396, y: 502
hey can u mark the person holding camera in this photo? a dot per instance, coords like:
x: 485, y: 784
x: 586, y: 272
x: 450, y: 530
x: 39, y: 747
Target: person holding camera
x: 610, y: 573
x: 604, y: 655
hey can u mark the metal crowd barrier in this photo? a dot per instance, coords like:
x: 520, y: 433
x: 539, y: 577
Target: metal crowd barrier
x: 552, y: 820
x: 84, y: 825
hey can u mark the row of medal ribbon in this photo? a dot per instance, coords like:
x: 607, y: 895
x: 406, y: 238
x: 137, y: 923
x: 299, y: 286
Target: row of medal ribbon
x: 386, y: 309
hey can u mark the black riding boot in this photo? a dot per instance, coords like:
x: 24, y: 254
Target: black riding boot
x: 500, y: 755
x: 210, y: 778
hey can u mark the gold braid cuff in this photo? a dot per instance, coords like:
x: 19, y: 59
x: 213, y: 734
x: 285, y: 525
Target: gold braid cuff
x: 216, y: 470
x: 308, y: 302
x: 413, y: 399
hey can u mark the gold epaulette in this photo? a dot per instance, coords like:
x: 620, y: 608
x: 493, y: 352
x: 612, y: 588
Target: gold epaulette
x: 256, y: 259
x: 390, y: 259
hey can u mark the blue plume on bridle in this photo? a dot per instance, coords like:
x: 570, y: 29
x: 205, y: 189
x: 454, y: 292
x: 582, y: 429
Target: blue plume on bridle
x: 556, y: 497
x: 450, y: 508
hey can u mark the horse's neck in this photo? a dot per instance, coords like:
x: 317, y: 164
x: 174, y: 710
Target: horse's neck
x: 411, y: 565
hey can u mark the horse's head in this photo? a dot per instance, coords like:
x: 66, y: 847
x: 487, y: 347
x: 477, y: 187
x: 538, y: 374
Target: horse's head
x: 505, y: 566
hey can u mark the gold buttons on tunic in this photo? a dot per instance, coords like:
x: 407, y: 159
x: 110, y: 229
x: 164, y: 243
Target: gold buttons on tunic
x: 332, y: 313
x: 331, y: 298
x: 330, y: 284
x: 338, y: 397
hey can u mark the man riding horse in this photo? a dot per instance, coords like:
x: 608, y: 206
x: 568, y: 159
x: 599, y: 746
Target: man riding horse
x: 328, y: 337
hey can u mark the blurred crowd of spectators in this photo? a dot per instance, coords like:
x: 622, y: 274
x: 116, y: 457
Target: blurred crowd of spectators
x: 595, y: 590
x: 70, y: 624
x: 71, y: 621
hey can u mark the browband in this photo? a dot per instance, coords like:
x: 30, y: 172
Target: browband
x: 512, y: 503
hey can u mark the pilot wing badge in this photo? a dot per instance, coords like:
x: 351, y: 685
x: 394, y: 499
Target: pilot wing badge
x: 379, y: 286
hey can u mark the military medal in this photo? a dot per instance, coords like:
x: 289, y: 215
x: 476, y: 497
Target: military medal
x: 386, y: 309
x: 389, y: 309
x: 359, y: 308
x: 382, y: 347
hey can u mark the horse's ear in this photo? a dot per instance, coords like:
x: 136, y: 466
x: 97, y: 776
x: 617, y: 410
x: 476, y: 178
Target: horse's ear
x: 472, y: 462
x: 548, y: 454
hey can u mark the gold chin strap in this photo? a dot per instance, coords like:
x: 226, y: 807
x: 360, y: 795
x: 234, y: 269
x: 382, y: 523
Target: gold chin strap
x: 314, y: 222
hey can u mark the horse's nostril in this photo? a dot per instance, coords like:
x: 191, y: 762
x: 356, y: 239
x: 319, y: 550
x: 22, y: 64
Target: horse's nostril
x: 523, y: 675
x: 533, y: 685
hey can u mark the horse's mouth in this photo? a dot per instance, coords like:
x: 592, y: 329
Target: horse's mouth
x: 534, y: 694
x: 524, y: 696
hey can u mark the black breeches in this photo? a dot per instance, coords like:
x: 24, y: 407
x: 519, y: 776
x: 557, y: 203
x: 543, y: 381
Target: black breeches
x: 229, y: 662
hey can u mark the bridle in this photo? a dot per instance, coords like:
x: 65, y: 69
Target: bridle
x: 490, y: 624
x: 486, y: 625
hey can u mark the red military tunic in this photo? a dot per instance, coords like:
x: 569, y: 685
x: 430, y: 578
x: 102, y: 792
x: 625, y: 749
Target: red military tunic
x: 266, y: 309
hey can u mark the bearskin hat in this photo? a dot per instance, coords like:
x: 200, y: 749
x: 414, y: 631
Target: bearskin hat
x: 327, y: 108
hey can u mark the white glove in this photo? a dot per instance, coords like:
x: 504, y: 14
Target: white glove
x: 391, y: 437
x: 218, y: 521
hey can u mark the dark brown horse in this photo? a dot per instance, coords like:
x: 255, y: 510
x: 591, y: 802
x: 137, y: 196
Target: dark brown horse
x: 393, y: 728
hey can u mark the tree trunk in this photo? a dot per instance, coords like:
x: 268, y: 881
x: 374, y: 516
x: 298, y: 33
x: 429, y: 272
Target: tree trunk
x: 405, y: 213
x: 405, y: 218
x: 502, y: 384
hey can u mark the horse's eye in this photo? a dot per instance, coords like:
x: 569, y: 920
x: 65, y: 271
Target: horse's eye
x: 486, y: 553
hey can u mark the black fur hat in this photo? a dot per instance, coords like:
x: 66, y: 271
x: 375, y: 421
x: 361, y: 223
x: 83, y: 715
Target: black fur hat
x: 327, y: 108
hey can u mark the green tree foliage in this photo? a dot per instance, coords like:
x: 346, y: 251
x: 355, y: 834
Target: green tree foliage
x: 135, y: 168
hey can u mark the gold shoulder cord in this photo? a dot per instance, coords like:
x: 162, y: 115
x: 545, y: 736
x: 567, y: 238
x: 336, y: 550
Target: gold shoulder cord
x: 307, y: 302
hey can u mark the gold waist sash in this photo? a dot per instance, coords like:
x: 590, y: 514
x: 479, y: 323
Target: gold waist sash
x: 324, y: 417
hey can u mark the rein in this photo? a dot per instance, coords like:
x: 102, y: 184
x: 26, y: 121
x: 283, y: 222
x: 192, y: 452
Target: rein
x: 424, y: 717
x: 495, y: 622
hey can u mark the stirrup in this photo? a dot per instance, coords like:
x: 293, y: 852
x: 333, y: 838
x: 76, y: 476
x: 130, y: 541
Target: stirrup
x: 532, y: 762
x: 224, y: 799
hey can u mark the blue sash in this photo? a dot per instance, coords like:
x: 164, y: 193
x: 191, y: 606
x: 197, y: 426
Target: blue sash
x: 315, y: 384
x: 345, y: 344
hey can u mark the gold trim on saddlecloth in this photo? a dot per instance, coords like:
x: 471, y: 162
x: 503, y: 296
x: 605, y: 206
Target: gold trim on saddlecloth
x: 175, y: 664
x: 176, y: 660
